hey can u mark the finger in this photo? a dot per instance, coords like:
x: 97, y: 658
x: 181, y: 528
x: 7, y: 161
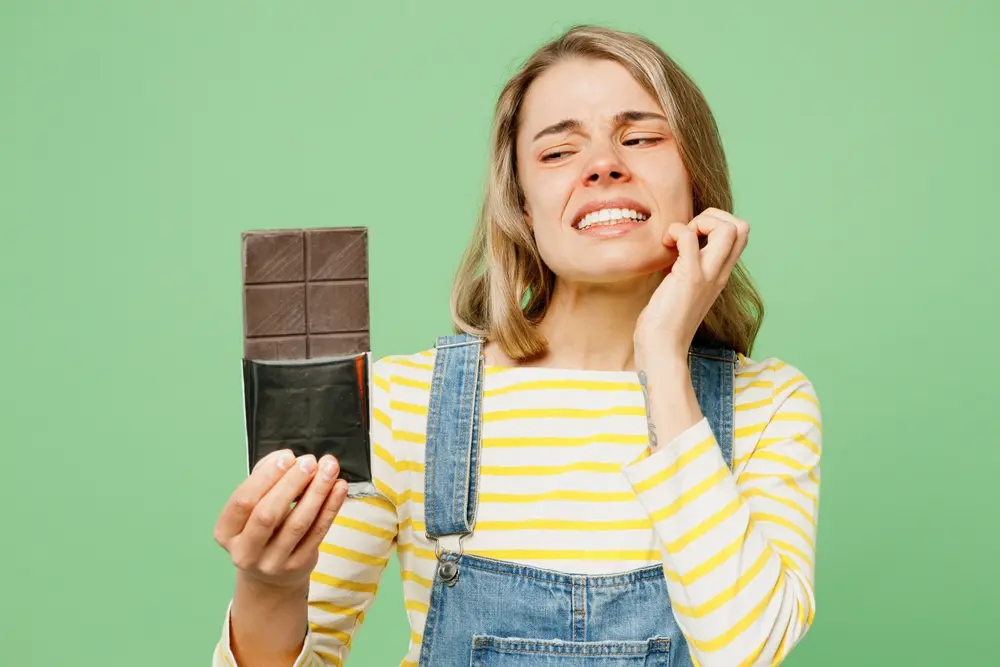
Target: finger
x: 241, y: 504
x: 685, y: 239
x: 321, y: 526
x: 742, y: 237
x: 721, y: 233
x: 272, y: 509
x: 301, y: 519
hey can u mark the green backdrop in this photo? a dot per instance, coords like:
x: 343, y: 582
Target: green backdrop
x: 138, y: 139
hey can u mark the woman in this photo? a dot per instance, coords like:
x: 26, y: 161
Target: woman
x: 591, y: 467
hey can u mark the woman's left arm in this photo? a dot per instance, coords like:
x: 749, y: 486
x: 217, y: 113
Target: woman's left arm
x: 738, y: 546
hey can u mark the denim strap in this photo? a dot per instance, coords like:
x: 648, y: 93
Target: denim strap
x: 451, y: 463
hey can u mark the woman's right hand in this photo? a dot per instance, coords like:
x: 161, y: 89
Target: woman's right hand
x: 269, y: 540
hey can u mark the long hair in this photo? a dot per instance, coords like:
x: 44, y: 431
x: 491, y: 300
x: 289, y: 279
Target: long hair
x: 503, y: 288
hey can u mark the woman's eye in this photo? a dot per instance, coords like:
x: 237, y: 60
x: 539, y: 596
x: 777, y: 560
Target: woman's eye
x: 548, y: 157
x: 648, y: 140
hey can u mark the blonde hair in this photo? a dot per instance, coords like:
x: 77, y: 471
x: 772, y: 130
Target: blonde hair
x: 503, y: 287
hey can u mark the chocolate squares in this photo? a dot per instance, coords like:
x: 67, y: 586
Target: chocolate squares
x: 306, y: 347
x: 305, y: 293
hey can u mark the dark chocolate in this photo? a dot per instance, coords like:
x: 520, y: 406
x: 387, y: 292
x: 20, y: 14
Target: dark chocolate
x: 305, y: 293
x: 306, y: 345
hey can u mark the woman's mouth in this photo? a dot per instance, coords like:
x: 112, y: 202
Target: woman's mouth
x: 609, y: 217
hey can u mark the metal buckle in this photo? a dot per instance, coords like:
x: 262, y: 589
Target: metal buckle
x: 448, y: 569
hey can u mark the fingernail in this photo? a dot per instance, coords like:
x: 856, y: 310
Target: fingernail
x: 284, y: 461
x: 307, y: 463
x: 326, y: 470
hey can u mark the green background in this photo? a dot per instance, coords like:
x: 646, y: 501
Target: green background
x: 138, y: 139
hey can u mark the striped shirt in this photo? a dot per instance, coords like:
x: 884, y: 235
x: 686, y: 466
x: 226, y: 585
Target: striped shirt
x: 566, y: 484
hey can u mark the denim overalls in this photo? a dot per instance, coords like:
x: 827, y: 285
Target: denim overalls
x: 490, y: 613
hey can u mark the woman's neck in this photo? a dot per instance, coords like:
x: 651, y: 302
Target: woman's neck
x: 591, y: 326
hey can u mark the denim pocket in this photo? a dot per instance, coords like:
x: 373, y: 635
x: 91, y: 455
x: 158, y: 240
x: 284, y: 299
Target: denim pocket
x: 489, y: 651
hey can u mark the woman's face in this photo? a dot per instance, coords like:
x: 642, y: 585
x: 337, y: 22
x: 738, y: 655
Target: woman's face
x: 601, y: 174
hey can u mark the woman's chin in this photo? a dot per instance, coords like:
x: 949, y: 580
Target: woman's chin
x: 615, y: 267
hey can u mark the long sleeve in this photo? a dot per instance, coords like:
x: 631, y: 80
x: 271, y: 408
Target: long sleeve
x: 352, y: 557
x: 739, y: 546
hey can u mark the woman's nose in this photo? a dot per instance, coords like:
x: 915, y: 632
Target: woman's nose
x: 606, y: 168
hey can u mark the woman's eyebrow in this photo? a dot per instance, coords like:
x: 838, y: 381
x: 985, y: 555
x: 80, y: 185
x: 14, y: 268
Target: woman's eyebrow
x: 621, y: 118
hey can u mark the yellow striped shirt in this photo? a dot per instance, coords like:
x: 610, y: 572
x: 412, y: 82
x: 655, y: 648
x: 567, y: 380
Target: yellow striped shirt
x: 566, y: 485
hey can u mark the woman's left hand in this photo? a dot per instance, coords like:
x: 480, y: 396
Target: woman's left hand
x: 669, y: 321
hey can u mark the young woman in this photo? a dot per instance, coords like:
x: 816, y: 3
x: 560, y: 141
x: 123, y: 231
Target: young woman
x: 590, y: 470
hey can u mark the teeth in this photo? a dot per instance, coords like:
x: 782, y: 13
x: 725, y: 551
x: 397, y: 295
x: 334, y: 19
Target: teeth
x: 610, y: 216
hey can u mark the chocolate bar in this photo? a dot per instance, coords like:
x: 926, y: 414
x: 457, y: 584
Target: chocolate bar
x: 306, y: 347
x: 305, y: 293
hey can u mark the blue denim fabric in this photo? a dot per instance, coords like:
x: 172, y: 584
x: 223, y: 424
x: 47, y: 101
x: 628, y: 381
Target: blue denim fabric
x: 489, y: 613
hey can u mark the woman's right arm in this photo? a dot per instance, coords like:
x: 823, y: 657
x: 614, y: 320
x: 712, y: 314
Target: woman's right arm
x: 305, y: 576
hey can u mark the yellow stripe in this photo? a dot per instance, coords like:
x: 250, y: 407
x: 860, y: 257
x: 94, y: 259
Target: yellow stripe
x: 602, y: 438
x: 546, y: 524
x: 675, y: 467
x: 412, y: 364
x: 416, y: 638
x: 384, y: 454
x: 728, y: 593
x: 747, y: 431
x: 339, y: 635
x: 784, y: 501
x: 343, y: 584
x: 781, y: 545
x: 743, y: 407
x: 563, y: 413
x: 778, y: 458
x: 334, y: 660
x: 407, y: 663
x: 389, y: 493
x: 381, y: 383
x: 410, y: 496
x: 580, y: 385
x: 542, y: 471
x: 779, y: 655
x: 412, y: 384
x: 409, y: 575
x: 417, y: 606
x: 709, y: 565
x: 410, y: 466
x: 559, y: 524
x: 743, y: 374
x: 352, y: 555
x: 587, y: 496
x: 705, y: 526
x: 576, y: 554
x: 382, y: 418
x: 807, y: 443
x: 751, y: 659
x: 410, y: 408
x: 377, y: 501
x: 691, y: 494
x: 330, y: 608
x: 787, y: 479
x: 782, y: 521
x: 794, y: 380
x: 805, y: 397
x: 364, y: 527
x: 796, y: 417
x: 409, y: 436
x: 751, y: 617
x: 756, y: 384
x: 416, y: 551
